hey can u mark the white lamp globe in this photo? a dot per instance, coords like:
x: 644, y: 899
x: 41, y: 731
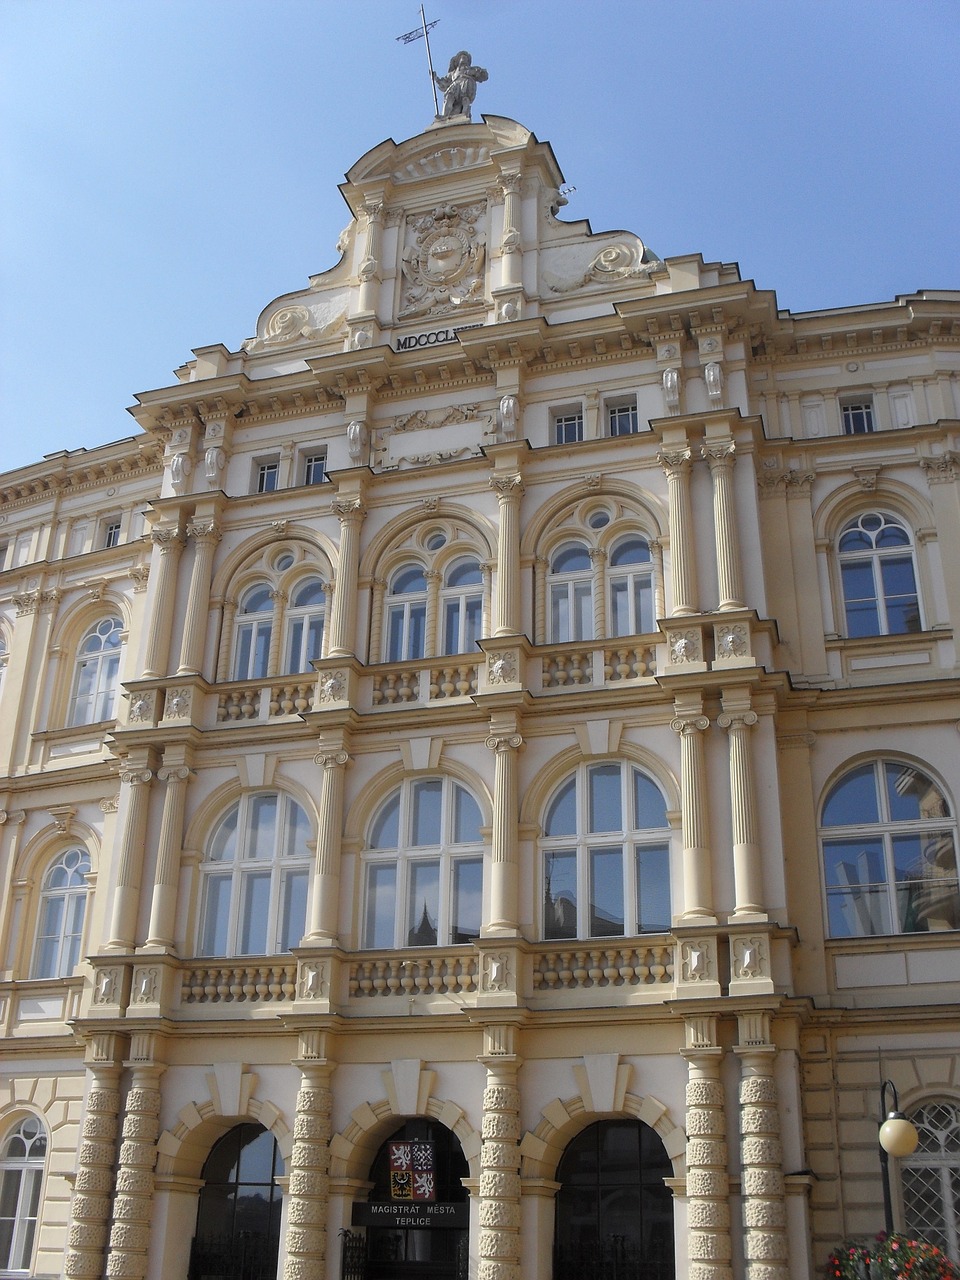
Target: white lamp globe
x: 898, y: 1136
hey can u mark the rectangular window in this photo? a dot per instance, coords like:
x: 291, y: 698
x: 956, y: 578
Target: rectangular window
x: 606, y: 892
x: 567, y: 428
x: 266, y: 475
x: 560, y: 894
x: 467, y: 900
x: 111, y: 534
x: 381, y: 909
x: 423, y: 904
x: 857, y: 416
x: 622, y: 419
x: 315, y: 468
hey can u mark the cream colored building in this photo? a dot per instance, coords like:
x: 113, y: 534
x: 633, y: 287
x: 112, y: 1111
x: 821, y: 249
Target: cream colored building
x: 507, y: 710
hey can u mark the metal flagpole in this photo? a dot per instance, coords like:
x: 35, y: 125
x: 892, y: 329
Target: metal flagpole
x: 410, y: 36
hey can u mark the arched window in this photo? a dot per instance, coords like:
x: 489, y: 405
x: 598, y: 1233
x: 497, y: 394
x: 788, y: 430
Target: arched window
x: 889, y: 853
x: 571, y: 594
x: 254, y: 629
x: 878, y: 576
x: 605, y: 855
x: 614, y: 1210
x: 630, y: 582
x: 98, y: 666
x: 424, y: 868
x: 22, y: 1155
x: 305, y: 616
x: 462, y: 606
x: 930, y: 1178
x: 238, y: 1215
x: 407, y: 614
x: 254, y: 877
x: 63, y: 902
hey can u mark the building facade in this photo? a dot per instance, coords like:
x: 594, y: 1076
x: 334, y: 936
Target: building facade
x: 480, y: 770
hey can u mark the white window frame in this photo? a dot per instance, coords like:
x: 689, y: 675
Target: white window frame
x: 66, y: 905
x: 464, y: 598
x: 26, y: 1174
x: 98, y: 702
x: 110, y: 532
x: 620, y: 411
x: 876, y: 556
x: 408, y: 857
x: 308, y: 466
x: 636, y: 575
x: 858, y: 415
x: 279, y: 865
x: 630, y: 839
x: 258, y: 626
x: 574, y: 589
x: 311, y: 619
x: 870, y: 901
x: 263, y: 469
x: 566, y: 424
x: 406, y: 610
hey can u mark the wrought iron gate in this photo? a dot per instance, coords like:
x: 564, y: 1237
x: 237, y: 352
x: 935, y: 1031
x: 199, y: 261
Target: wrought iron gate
x: 244, y: 1256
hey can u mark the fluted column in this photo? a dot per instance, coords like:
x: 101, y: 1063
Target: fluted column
x: 694, y: 822
x: 90, y: 1207
x: 510, y: 243
x: 163, y: 906
x: 369, y: 269
x: 160, y: 622
x: 509, y: 490
x: 343, y: 621
x: 747, y: 868
x: 505, y: 741
x: 708, y: 1186
x: 205, y: 534
x: 133, y: 1205
x: 720, y: 457
x: 332, y: 759
x: 764, y: 1203
x: 499, y: 1242
x: 676, y: 466
x: 136, y: 783
x: 306, y: 1243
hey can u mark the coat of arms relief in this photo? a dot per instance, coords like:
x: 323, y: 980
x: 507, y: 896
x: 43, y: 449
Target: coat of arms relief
x: 443, y: 261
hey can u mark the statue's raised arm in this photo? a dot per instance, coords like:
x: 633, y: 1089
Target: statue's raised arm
x: 459, y: 85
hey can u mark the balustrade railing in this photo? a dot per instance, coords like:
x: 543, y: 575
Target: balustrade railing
x: 571, y: 666
x: 426, y: 681
x: 567, y: 969
x: 238, y: 983
x: 443, y: 973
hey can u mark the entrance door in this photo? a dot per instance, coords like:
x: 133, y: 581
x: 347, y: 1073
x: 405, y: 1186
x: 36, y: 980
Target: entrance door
x: 238, y: 1219
x: 398, y: 1252
x: 614, y: 1210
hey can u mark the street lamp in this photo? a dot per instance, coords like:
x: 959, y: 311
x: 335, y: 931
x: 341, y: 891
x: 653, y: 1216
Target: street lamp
x: 898, y: 1137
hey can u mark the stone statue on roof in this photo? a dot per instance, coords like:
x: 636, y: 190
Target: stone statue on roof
x: 459, y: 85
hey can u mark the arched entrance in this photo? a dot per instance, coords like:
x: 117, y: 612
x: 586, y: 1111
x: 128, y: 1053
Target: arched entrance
x: 416, y: 1216
x: 614, y: 1211
x: 238, y: 1218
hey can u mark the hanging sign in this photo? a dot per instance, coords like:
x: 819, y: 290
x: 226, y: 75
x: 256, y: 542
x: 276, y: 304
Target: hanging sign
x: 413, y: 1193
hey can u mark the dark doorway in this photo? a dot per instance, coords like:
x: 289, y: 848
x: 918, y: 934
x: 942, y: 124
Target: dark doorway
x: 614, y: 1211
x: 397, y: 1252
x: 238, y: 1219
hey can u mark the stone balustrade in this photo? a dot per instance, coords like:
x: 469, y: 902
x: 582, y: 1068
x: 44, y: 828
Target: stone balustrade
x: 625, y: 967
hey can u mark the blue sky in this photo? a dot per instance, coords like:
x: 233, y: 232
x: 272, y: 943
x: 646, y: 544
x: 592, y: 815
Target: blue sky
x: 169, y: 166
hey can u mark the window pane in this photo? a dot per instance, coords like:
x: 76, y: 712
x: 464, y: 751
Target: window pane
x: 854, y: 862
x: 605, y: 806
x: 650, y: 808
x: 853, y: 800
x: 606, y: 892
x: 620, y: 608
x: 643, y: 603
x: 381, y: 904
x: 241, y: 668
x: 254, y: 913
x: 424, y: 904
x: 425, y: 819
x: 314, y: 640
x: 571, y: 559
x: 562, y: 814
x: 583, y: 601
x: 294, y: 916
x: 297, y: 833
x: 859, y: 595
x: 467, y: 899
x: 308, y: 593
x: 385, y: 833
x: 560, y: 614
x: 295, y: 646
x: 223, y: 848
x: 395, y: 634
x: 633, y: 551
x: 472, y: 623
x: 858, y: 914
x: 408, y: 581
x: 263, y: 827
x: 466, y: 824
x: 216, y: 916
x: 417, y: 631
x: 465, y: 573
x: 261, y: 652
x: 653, y: 888
x: 560, y: 894
x: 451, y: 627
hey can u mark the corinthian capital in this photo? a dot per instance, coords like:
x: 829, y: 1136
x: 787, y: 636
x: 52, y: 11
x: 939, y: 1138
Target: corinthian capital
x: 507, y: 486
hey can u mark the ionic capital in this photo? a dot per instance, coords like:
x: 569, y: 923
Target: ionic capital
x: 501, y: 742
x: 688, y: 725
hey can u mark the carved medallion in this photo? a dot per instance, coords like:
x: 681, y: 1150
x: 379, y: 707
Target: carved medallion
x: 443, y: 261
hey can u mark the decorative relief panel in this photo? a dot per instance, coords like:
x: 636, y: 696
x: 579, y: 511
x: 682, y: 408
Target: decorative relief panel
x: 443, y: 262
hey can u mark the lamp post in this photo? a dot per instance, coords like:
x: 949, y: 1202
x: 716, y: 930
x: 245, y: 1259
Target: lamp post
x: 897, y: 1137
